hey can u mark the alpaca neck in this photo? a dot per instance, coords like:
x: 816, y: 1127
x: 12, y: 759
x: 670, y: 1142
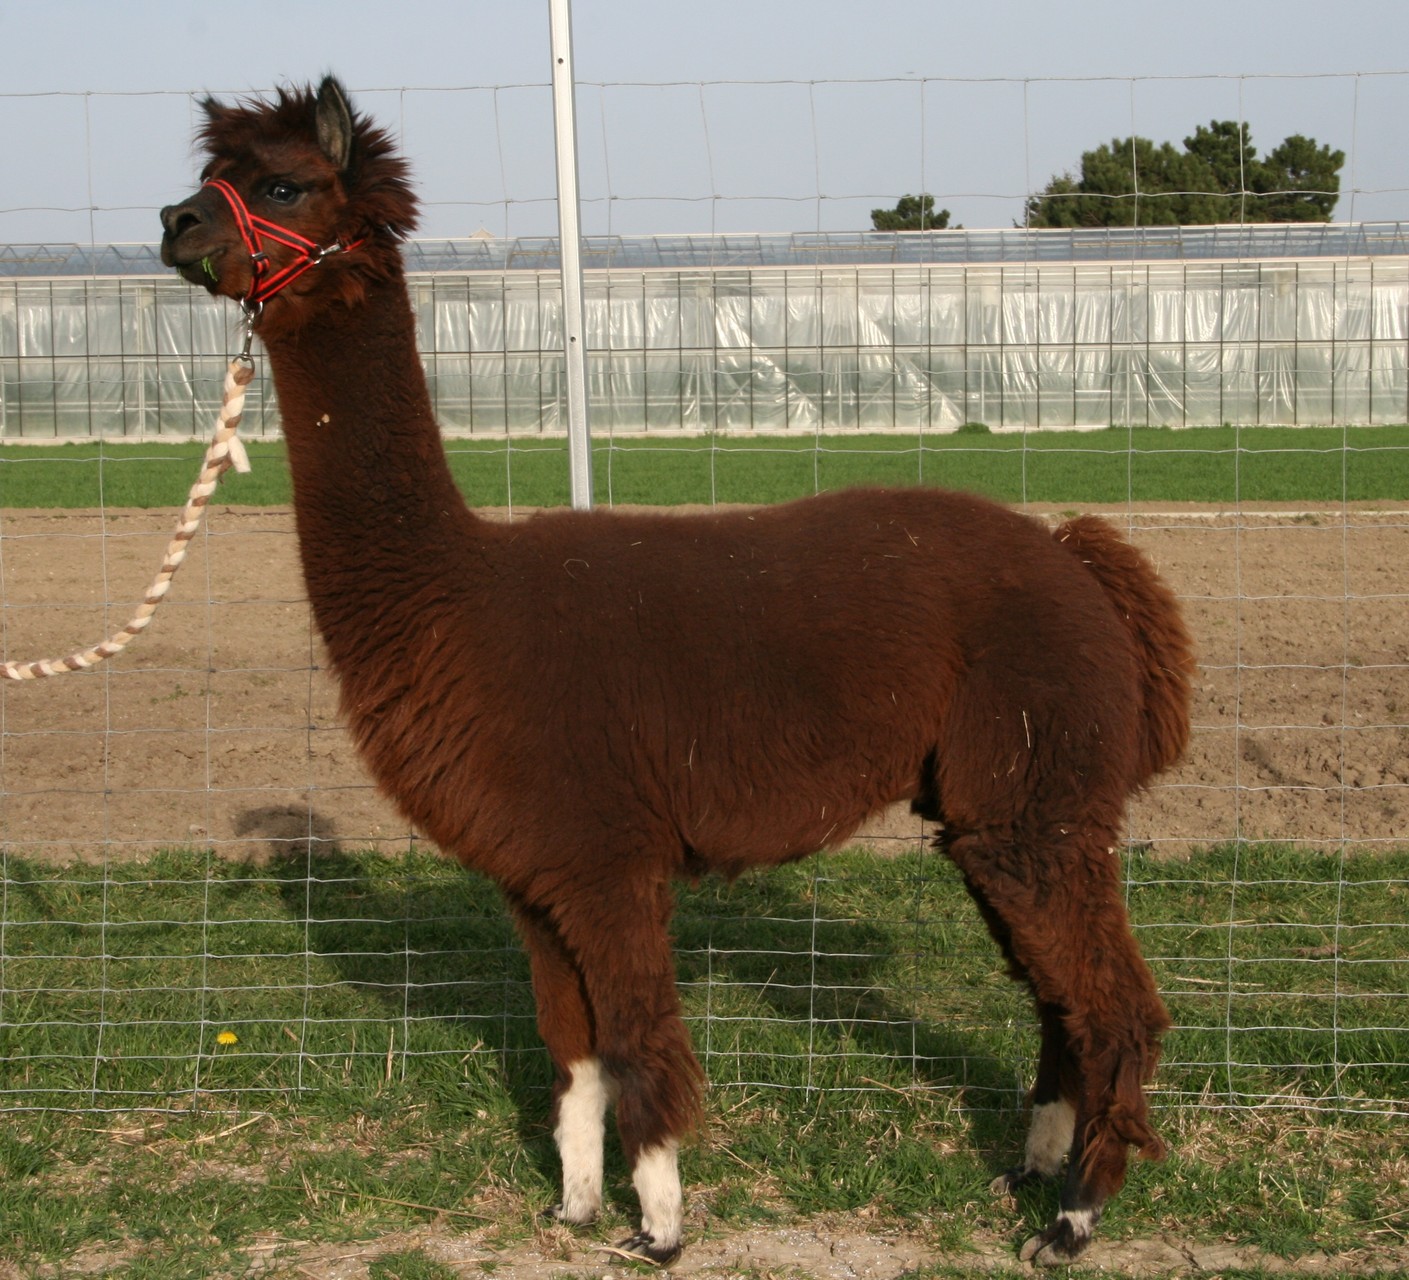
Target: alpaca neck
x: 376, y: 508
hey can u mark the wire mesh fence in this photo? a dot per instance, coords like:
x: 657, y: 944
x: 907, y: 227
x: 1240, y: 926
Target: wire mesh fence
x: 202, y: 899
x: 190, y: 847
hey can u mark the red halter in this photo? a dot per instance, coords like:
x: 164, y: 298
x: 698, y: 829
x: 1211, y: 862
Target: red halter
x: 254, y: 230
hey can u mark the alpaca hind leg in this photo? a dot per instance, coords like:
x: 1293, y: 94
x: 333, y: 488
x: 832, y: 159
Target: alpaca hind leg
x: 1053, y: 1121
x: 1052, y: 1125
x: 628, y: 968
x: 1113, y: 1027
x: 656, y: 1177
x: 1065, y: 918
x: 582, y: 1089
x: 1111, y: 1117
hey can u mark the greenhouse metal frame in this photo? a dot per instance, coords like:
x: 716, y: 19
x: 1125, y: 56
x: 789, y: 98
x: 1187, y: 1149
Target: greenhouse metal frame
x: 1018, y: 330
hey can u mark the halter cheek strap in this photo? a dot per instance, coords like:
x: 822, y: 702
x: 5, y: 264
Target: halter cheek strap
x: 254, y: 230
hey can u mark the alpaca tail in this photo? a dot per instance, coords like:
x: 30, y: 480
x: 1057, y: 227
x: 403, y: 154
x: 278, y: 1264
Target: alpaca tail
x: 1152, y: 614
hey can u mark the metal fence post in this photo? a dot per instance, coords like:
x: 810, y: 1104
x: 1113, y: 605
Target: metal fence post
x: 569, y: 238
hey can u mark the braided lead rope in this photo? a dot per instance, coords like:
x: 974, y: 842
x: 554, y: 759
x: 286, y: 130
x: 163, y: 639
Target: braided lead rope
x: 226, y: 450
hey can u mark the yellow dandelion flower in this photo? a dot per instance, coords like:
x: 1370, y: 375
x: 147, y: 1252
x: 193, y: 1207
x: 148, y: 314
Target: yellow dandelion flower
x: 227, y: 1037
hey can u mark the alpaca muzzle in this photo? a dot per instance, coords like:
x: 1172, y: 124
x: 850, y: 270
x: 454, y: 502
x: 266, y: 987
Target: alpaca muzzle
x: 187, y: 244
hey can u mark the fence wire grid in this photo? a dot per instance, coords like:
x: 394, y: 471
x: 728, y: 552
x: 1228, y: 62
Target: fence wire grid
x: 202, y: 899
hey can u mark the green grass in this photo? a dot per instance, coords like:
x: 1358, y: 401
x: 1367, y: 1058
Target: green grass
x: 866, y: 1051
x: 1205, y: 464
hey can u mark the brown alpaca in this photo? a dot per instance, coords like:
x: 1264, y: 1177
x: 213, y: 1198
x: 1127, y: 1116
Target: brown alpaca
x: 588, y: 706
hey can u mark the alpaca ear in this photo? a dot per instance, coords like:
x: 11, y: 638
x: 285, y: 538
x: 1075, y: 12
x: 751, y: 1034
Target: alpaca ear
x: 213, y: 109
x: 334, y: 117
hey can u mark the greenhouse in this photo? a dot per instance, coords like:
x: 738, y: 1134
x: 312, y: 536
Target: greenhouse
x: 1297, y: 324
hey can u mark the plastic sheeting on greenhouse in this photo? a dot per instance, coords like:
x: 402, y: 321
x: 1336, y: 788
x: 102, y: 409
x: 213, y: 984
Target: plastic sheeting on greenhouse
x: 815, y: 346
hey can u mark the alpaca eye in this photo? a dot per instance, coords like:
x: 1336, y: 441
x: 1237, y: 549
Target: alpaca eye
x: 281, y: 192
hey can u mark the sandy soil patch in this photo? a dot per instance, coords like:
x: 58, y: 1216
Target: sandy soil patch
x: 220, y: 726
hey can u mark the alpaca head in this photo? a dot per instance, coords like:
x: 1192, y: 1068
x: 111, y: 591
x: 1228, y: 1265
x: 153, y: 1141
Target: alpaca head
x: 303, y: 181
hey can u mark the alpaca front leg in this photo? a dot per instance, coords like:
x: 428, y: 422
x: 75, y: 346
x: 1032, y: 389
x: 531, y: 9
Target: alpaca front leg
x: 579, y: 1133
x: 622, y: 947
x: 583, y: 1088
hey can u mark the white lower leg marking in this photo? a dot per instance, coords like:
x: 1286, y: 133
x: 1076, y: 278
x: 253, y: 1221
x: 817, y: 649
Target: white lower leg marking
x: 1081, y: 1221
x: 1049, y: 1136
x: 656, y: 1178
x: 1051, y: 1248
x: 581, y: 1126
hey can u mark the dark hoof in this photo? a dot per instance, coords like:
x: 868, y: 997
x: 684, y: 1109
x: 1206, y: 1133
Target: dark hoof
x: 643, y: 1245
x: 555, y: 1213
x: 1011, y: 1179
x: 1063, y: 1242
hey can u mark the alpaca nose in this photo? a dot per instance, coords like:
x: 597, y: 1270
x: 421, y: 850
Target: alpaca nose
x: 176, y: 219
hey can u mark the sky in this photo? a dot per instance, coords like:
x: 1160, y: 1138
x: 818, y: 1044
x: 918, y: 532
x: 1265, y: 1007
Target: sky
x: 757, y: 116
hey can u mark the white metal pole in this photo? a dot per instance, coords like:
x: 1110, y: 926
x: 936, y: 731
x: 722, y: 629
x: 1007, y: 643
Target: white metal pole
x: 569, y: 239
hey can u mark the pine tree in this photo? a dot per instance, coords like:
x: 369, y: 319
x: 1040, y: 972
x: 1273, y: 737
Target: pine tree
x: 1216, y: 177
x: 912, y: 213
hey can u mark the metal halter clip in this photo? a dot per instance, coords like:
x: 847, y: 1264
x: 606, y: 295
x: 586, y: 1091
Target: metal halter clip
x: 251, y: 312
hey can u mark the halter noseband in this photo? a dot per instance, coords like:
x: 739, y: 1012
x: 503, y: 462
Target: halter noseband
x: 254, y: 230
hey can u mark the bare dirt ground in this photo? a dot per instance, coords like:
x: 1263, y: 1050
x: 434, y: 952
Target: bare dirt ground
x: 219, y: 725
x: 831, y: 1248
